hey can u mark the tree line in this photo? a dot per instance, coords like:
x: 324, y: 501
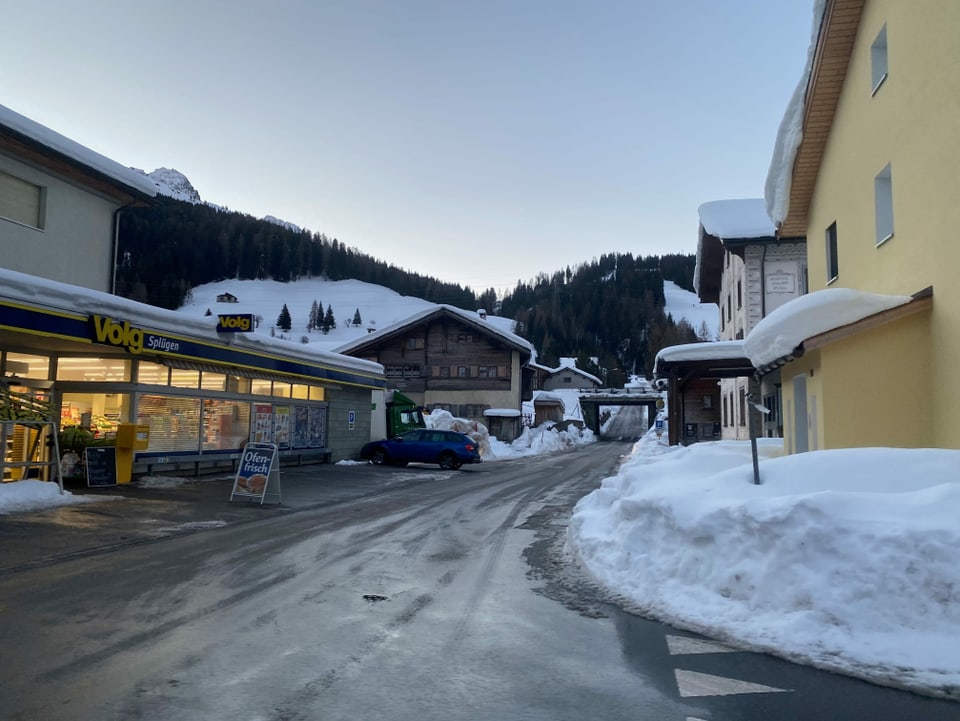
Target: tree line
x: 608, y: 312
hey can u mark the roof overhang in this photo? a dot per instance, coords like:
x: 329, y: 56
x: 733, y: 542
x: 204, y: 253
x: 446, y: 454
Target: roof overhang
x: 838, y: 32
x: 718, y: 359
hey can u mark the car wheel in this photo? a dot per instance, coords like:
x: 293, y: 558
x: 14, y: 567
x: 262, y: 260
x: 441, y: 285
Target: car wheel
x: 449, y: 462
x: 378, y: 457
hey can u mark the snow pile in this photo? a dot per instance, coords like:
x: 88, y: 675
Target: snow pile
x: 445, y: 421
x: 31, y: 495
x: 841, y: 559
x: 545, y: 438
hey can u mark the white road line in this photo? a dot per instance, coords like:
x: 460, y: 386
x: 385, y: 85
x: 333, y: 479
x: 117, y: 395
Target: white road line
x: 692, y: 683
x: 682, y: 645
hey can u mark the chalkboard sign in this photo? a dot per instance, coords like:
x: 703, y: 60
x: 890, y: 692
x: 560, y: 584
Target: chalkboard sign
x: 101, y: 463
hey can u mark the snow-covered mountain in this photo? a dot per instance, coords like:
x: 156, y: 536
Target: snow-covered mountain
x: 173, y: 184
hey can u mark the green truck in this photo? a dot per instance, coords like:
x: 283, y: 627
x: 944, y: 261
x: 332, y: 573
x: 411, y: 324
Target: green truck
x: 402, y: 414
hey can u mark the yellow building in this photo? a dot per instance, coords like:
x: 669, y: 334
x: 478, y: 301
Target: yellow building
x: 875, y: 188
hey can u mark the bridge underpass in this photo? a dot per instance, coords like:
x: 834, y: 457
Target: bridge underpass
x: 631, y: 400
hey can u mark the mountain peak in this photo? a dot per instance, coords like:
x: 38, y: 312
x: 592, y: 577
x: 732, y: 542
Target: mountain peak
x: 173, y: 184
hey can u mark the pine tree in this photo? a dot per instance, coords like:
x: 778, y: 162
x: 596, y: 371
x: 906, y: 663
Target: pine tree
x: 329, y: 322
x: 357, y: 320
x: 284, y: 321
x: 313, y: 323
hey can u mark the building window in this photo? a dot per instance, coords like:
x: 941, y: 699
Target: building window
x: 708, y: 402
x: 487, y: 372
x: 444, y: 371
x: 739, y: 294
x: 567, y: 379
x: 743, y: 406
x: 883, y: 194
x: 878, y: 61
x: 462, y: 372
x: 833, y: 269
x: 414, y: 343
x: 103, y: 370
x: 465, y: 338
x: 401, y: 371
x: 21, y: 202
x: 174, y: 422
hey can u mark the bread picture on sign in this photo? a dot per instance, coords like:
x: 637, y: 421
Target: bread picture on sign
x: 256, y: 483
x: 253, y: 484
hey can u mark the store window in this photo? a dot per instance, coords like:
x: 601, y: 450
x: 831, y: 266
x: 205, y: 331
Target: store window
x: 317, y: 393
x: 152, y: 374
x: 300, y: 391
x: 226, y: 424
x: 261, y: 387
x: 22, y: 365
x: 281, y: 390
x: 174, y: 422
x: 236, y: 384
x: 212, y: 381
x: 98, y: 412
x: 184, y: 379
x: 103, y: 370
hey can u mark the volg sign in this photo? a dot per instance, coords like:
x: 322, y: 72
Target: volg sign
x: 120, y: 333
x: 235, y: 323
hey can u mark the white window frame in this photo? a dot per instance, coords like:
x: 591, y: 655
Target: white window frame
x: 883, y: 204
x: 878, y: 60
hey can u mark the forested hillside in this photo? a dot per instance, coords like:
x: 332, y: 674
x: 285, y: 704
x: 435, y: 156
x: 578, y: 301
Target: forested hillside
x: 169, y: 249
x: 609, y: 309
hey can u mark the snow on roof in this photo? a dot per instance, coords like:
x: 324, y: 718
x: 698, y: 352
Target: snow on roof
x: 779, y: 333
x: 547, y: 397
x: 502, y: 412
x: 76, y: 152
x: 54, y: 295
x: 780, y: 175
x: 744, y: 218
x: 713, y: 350
x: 470, y: 317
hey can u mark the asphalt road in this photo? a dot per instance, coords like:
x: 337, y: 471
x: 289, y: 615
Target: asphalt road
x: 382, y: 593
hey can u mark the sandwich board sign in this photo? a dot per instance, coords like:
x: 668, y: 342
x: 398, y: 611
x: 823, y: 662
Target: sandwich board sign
x: 258, y: 473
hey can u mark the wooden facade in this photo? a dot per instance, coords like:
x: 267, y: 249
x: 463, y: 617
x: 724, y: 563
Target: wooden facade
x: 452, y: 360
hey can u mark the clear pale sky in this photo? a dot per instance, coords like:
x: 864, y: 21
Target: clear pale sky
x: 478, y: 142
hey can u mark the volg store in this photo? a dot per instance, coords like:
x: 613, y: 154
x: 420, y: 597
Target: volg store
x: 201, y: 387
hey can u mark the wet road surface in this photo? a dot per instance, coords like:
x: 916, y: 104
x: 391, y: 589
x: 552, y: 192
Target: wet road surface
x: 388, y: 593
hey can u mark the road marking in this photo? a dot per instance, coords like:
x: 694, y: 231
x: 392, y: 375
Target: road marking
x: 692, y: 683
x: 682, y: 645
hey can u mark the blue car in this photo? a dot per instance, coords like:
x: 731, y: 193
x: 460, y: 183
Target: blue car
x: 447, y: 448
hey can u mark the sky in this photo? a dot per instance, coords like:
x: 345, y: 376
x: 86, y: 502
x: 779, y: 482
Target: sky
x: 422, y: 132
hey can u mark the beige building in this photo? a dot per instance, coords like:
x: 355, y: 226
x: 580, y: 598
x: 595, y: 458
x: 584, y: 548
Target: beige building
x: 873, y: 185
x: 59, y: 204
